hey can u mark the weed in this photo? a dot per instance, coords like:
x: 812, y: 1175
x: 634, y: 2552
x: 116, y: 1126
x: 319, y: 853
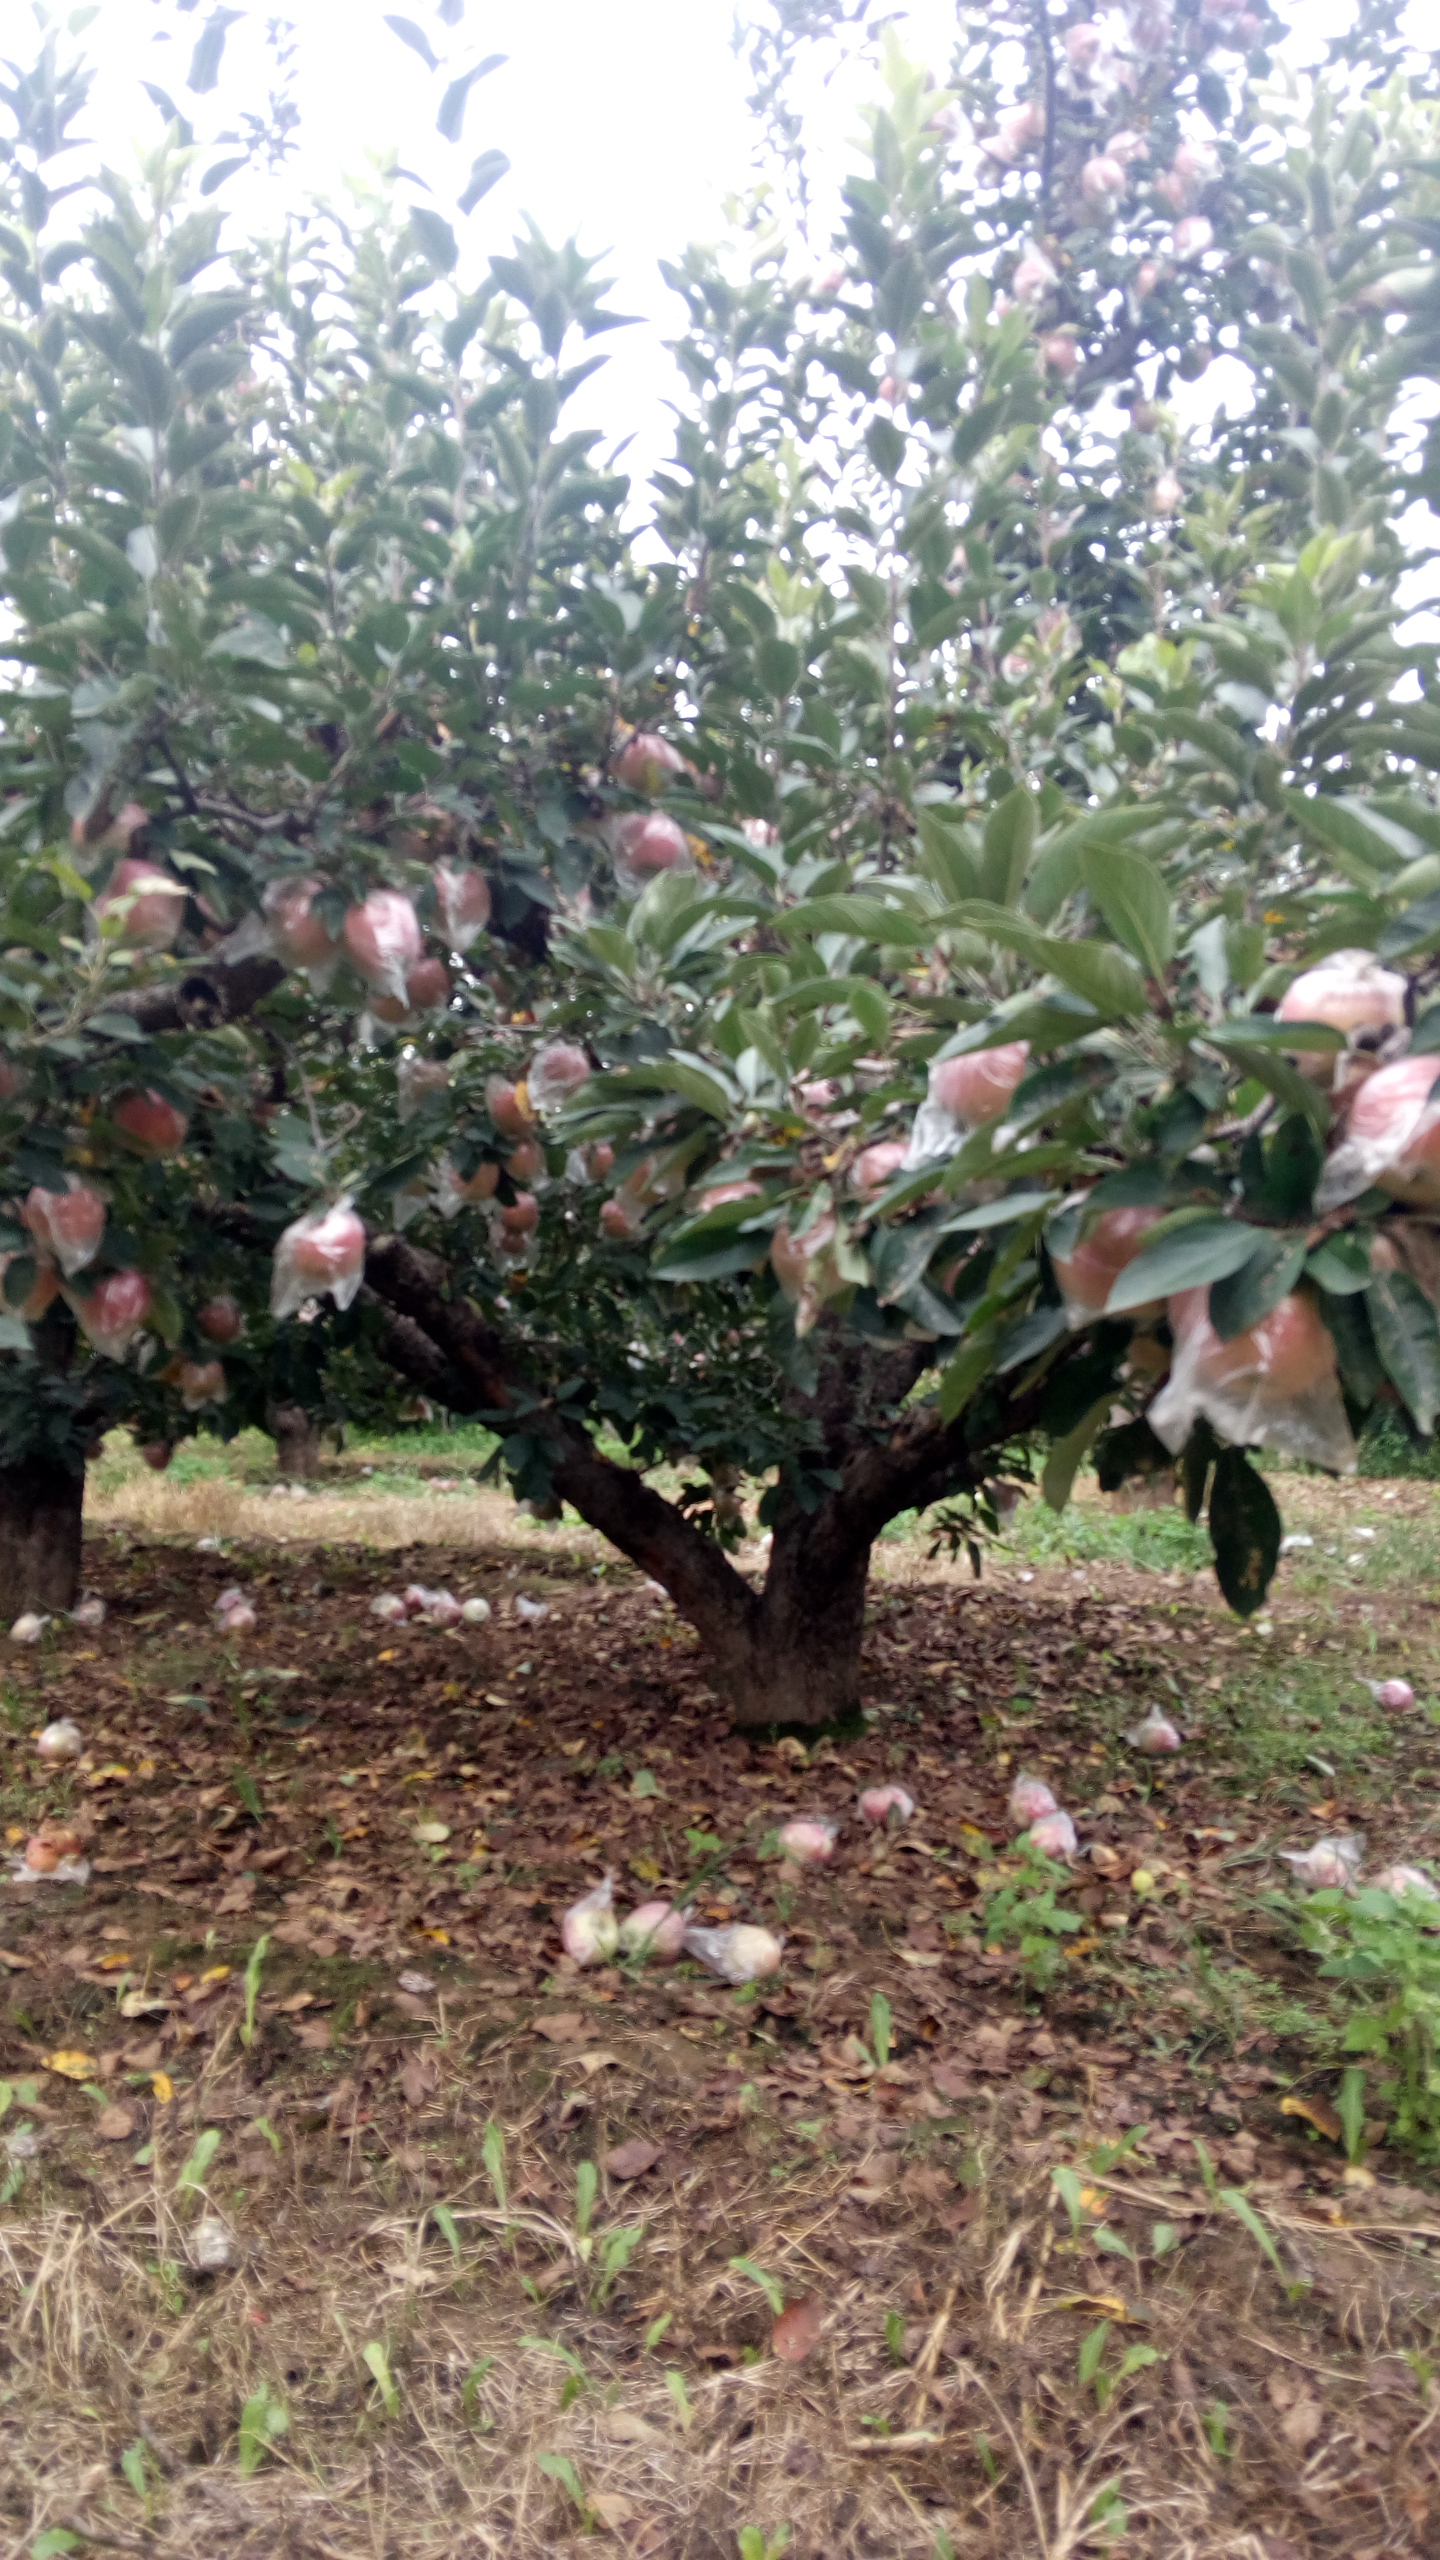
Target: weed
x: 1025, y: 1914
x: 263, y: 2420
x: 1216, y: 2423
x: 881, y: 2042
x: 1377, y: 1946
x: 1094, y: 2374
x: 755, y: 2546
x: 559, y: 2467
x: 769, y: 2285
x: 253, y: 1972
x: 377, y: 2365
x: 203, y: 2152
x: 492, y: 2153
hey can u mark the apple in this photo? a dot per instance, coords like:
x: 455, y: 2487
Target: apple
x: 463, y: 898
x: 1102, y: 179
x: 1290, y: 1350
x: 647, y: 842
x: 157, y: 1454
x: 382, y: 937
x: 301, y: 940
x: 220, y: 1319
x: 1350, y: 992
x: 150, y: 1122
x: 876, y: 1165
x: 526, y: 1163
x: 978, y: 1087
x: 646, y: 762
x: 115, y: 1310
x: 1060, y: 352
x: 720, y: 1192
x: 428, y: 985
x: 522, y: 1216
x: 1112, y: 1240
x: 330, y: 1245
x: 1034, y: 277
x: 1167, y: 495
x: 452, y: 1195
x: 1393, y: 1119
x: 67, y: 1225
x: 556, y: 1073
x: 201, y: 1382
x: 509, y: 1107
x: 1084, y: 44
x: 1193, y: 236
x: 147, y: 902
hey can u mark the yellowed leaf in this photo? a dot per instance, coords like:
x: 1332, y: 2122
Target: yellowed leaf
x: 163, y: 2086
x: 387, y: 1656
x: 1315, y: 2111
x: 437, y: 1937
x: 70, y: 2065
x: 217, y: 1973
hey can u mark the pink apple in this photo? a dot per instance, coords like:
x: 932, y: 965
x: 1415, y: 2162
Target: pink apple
x: 299, y: 937
x: 150, y: 1122
x: 647, y: 842
x: 67, y: 1225
x: 147, y: 903
x: 115, y: 1310
x: 646, y: 762
x: 382, y: 938
x: 220, y: 1319
x: 978, y: 1087
x: 1112, y: 1240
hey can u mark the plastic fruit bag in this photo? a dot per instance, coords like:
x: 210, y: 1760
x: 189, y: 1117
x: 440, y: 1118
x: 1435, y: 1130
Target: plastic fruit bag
x: 739, y: 1954
x: 383, y: 940
x: 556, y: 1074
x: 67, y: 1225
x: 320, y: 1252
x: 463, y: 898
x: 1104, y: 1248
x: 1274, y: 1385
x: 1392, y: 1138
x: 589, y: 1931
x: 116, y: 1309
x: 965, y: 1093
x: 1349, y: 992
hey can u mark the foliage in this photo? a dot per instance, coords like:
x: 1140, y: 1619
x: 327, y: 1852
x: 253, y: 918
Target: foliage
x: 992, y: 710
x: 1024, y: 1913
x: 1387, y: 1956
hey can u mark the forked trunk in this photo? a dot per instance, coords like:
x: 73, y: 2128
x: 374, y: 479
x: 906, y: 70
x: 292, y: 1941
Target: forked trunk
x: 794, y: 1656
x: 40, y: 1509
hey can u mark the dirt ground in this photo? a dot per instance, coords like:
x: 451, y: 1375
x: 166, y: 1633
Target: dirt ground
x: 506, y: 2243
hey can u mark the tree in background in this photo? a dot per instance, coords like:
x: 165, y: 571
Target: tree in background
x: 849, y: 991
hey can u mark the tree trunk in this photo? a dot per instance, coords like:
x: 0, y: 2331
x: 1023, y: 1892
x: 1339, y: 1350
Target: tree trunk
x: 795, y: 1659
x: 40, y: 1508
x: 297, y: 1443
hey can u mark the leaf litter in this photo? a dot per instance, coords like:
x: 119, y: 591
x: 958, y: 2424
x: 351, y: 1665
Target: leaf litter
x: 406, y: 2142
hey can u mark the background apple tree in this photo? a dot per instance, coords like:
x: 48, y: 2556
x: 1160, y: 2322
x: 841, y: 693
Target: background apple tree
x: 840, y: 992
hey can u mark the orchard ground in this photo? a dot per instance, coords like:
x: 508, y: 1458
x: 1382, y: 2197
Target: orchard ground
x: 328, y: 1862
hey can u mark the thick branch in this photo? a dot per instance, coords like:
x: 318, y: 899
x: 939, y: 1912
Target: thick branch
x: 204, y: 996
x: 473, y: 1369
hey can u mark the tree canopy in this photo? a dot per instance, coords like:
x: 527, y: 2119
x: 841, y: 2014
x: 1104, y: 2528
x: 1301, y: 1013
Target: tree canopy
x: 907, y: 943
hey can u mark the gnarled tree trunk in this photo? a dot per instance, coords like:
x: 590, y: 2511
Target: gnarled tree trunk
x: 40, y: 1511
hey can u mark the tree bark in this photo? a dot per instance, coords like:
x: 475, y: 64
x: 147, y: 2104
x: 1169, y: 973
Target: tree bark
x: 297, y: 1443
x: 40, y: 1510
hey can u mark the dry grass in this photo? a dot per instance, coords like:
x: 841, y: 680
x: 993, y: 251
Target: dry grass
x: 154, y: 1506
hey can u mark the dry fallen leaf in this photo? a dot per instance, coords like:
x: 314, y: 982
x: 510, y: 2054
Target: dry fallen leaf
x: 163, y: 2086
x: 598, y: 2059
x: 1317, y: 2112
x: 626, y: 2427
x: 419, y: 2078
x: 611, y: 2508
x: 631, y: 2159
x: 71, y: 2066
x: 1302, y: 2423
x: 920, y: 1958
x: 115, y: 2124
x: 798, y: 2330
x: 565, y: 2027
x: 430, y: 1834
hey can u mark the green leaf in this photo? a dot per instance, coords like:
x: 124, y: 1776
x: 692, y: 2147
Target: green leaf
x: 962, y: 1375
x: 851, y: 913
x: 1245, y: 1296
x: 770, y: 2286
x: 1408, y: 1341
x: 451, y: 118
x: 433, y: 238
x: 1245, y: 1532
x: 1185, y: 1257
x: 132, y: 2463
x: 1244, y: 2211
x: 1010, y: 832
x: 1341, y: 1264
x: 886, y: 447
x: 1099, y: 973
x: 486, y: 171
x: 1092, y: 2349
x: 1364, y: 855
x: 448, y: 2228
x: 54, y: 2543
x: 1131, y: 896
x: 262, y: 2420
x: 415, y: 37
x: 1067, y: 1456
x: 205, y: 61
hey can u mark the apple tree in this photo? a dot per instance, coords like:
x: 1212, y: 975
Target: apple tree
x: 922, y: 959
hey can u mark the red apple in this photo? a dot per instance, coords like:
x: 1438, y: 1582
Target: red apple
x: 115, y: 1310
x: 1112, y: 1240
x: 157, y: 1454
x: 327, y: 1247
x: 522, y: 1217
x: 1393, y: 1117
x: 646, y: 762
x: 1291, y: 1349
x: 876, y: 1165
x: 67, y: 1225
x: 428, y: 985
x: 382, y: 938
x: 147, y: 903
x: 509, y: 1107
x: 526, y: 1163
x: 201, y: 1382
x: 1349, y: 991
x: 301, y: 940
x: 647, y: 842
x: 220, y: 1319
x: 150, y: 1122
x: 978, y: 1086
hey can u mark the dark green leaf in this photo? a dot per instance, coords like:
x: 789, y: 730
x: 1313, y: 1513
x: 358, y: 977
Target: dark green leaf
x: 451, y: 119
x: 1132, y: 898
x: 1010, y: 833
x: 1245, y: 1296
x: 1205, y: 1248
x: 1245, y: 1532
x: 433, y: 238
x: 205, y: 61
x: 1408, y: 1341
